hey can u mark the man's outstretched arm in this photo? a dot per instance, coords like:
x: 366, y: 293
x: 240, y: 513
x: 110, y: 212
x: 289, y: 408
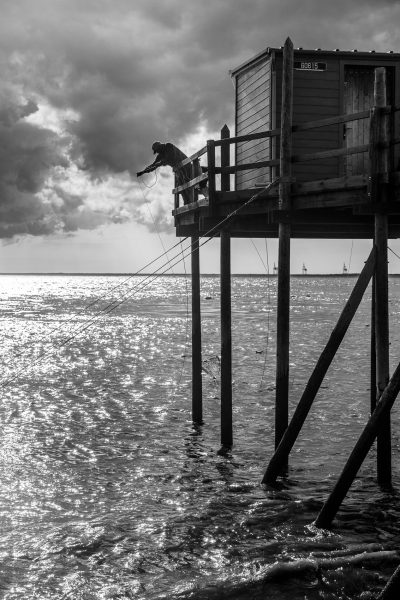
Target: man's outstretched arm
x: 154, y: 165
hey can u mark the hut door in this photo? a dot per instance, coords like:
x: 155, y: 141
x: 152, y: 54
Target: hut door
x: 358, y: 96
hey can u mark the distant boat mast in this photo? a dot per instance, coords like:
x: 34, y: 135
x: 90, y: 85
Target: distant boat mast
x: 345, y: 271
x: 304, y: 269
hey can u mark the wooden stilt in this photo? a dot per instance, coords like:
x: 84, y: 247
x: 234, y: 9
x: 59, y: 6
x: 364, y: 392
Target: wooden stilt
x: 282, y: 341
x: 282, y: 334
x: 379, y: 167
x: 360, y: 451
x: 373, y: 349
x: 226, y: 343
x: 391, y: 590
x: 384, y: 450
x: 226, y: 333
x: 280, y: 457
x: 197, y: 393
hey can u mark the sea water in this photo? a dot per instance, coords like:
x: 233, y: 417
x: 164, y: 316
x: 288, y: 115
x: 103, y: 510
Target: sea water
x: 108, y: 491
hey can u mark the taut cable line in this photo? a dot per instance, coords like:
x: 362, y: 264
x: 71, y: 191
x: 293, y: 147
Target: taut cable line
x: 109, y: 291
x: 179, y: 378
x: 393, y: 252
x: 151, y: 212
x: 143, y: 284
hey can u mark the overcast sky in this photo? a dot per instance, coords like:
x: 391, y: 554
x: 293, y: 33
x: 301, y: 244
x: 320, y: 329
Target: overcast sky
x: 87, y: 86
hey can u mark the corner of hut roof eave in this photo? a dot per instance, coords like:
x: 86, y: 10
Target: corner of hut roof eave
x: 248, y: 63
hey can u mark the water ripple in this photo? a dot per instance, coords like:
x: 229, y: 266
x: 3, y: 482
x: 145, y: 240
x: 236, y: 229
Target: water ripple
x: 109, y: 492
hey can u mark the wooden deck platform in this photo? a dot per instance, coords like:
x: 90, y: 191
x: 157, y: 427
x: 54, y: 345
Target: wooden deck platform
x: 329, y: 208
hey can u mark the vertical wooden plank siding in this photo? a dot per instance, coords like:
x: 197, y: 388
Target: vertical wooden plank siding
x: 358, y: 96
x: 197, y: 391
x: 316, y: 95
x: 253, y: 113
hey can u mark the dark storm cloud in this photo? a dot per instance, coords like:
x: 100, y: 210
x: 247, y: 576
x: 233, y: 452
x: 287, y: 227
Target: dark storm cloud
x: 27, y: 154
x: 132, y: 72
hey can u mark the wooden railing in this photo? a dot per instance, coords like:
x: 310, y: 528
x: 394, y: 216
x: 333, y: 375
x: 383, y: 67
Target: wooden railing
x: 190, y: 188
x: 225, y: 169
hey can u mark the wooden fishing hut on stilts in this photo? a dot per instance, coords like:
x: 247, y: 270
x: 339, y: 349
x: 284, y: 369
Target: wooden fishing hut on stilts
x: 316, y: 156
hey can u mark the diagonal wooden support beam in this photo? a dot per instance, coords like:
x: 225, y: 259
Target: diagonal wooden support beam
x: 279, y: 459
x: 391, y: 590
x: 360, y: 451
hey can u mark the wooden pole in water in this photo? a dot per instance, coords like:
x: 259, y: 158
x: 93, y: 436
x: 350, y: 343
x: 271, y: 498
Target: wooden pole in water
x: 360, y: 451
x: 226, y: 342
x: 379, y: 168
x: 391, y: 590
x: 384, y: 446
x: 226, y: 319
x: 373, y: 349
x: 283, y: 300
x: 197, y: 386
x: 279, y: 459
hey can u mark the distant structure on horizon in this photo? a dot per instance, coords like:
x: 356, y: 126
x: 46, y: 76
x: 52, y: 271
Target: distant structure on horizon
x: 345, y: 270
x: 304, y: 270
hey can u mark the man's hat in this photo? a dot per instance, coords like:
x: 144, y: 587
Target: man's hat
x: 156, y: 147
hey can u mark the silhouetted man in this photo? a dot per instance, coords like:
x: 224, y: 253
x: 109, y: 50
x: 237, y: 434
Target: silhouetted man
x: 169, y: 154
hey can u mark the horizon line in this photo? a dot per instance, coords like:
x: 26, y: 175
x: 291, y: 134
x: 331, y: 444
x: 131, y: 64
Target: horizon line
x: 127, y: 273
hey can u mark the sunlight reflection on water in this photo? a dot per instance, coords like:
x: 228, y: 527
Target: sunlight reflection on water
x: 107, y: 489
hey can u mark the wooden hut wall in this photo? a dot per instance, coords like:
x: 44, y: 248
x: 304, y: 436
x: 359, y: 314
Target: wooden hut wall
x: 343, y: 84
x: 316, y: 96
x: 344, y: 87
x: 253, y: 114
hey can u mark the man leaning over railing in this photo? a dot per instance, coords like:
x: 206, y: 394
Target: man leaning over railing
x: 169, y: 155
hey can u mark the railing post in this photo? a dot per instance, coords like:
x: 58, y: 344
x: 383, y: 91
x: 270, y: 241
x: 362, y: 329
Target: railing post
x: 195, y: 171
x: 282, y: 343
x: 225, y: 159
x: 176, y: 196
x: 211, y: 174
x: 379, y: 169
